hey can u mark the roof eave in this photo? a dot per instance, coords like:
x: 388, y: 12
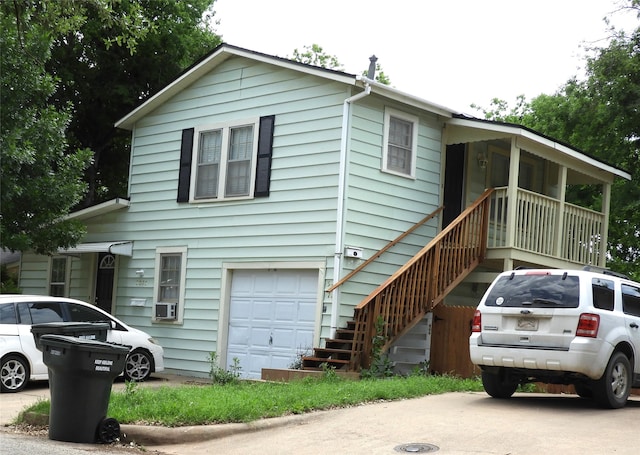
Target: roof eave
x: 406, y: 98
x: 99, y: 209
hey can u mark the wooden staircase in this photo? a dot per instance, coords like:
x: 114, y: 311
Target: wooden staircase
x: 336, y: 353
x: 410, y: 293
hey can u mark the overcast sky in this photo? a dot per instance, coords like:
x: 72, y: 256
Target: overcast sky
x: 450, y: 52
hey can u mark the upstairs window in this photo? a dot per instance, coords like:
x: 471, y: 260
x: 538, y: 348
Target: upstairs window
x: 225, y: 161
x: 400, y: 143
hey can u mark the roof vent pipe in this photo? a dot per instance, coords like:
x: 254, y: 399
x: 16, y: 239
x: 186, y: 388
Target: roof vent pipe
x: 371, y: 74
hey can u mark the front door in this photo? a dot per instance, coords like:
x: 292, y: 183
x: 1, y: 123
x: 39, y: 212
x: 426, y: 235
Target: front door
x: 104, y: 281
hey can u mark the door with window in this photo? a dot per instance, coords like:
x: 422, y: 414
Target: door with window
x: 104, y: 281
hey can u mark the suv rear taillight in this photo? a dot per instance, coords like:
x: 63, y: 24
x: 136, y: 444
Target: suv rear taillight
x: 588, y: 325
x: 476, y: 325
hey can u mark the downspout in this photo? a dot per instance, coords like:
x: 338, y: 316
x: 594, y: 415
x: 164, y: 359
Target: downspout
x: 342, y: 180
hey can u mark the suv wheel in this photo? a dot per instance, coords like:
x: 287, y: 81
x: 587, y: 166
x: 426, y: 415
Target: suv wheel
x: 614, y: 387
x: 14, y: 373
x: 497, y: 385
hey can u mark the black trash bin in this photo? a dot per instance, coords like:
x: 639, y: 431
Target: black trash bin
x: 81, y: 373
x: 85, y: 330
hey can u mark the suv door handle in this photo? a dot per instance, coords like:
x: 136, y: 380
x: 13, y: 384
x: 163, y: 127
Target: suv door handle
x: 633, y: 325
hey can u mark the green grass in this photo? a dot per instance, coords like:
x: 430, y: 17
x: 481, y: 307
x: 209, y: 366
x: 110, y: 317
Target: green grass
x: 246, y: 401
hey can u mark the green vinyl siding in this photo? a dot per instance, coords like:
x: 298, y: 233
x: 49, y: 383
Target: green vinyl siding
x: 296, y: 223
x: 381, y: 206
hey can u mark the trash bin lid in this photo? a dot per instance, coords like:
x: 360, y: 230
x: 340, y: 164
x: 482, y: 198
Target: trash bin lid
x: 60, y: 328
x: 80, y: 344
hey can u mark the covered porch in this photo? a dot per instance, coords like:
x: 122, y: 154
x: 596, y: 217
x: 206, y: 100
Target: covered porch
x: 550, y: 205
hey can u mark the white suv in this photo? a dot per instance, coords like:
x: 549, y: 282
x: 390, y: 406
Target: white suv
x: 559, y: 327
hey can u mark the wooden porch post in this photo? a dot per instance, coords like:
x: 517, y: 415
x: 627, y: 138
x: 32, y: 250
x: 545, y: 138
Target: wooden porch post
x: 512, y: 194
x: 606, y: 207
x: 562, y: 194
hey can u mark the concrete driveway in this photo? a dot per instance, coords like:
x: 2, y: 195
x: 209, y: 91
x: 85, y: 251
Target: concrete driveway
x: 454, y: 423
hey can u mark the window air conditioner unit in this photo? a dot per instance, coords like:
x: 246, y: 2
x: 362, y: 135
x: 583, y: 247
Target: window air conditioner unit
x: 166, y: 310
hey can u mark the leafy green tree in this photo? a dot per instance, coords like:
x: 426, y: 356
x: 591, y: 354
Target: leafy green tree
x: 315, y: 55
x: 41, y: 170
x: 599, y: 114
x: 105, y: 80
x: 38, y: 181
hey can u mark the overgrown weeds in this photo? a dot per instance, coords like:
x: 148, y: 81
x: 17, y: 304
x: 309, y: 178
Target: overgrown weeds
x: 245, y: 401
x: 220, y: 375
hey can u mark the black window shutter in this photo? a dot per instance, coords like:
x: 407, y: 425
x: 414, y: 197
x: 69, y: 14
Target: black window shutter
x: 265, y: 147
x: 184, y: 177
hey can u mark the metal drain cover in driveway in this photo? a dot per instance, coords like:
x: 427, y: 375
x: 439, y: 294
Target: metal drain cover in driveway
x: 416, y: 447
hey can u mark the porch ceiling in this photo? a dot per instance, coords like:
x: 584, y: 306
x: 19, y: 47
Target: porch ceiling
x: 582, y: 168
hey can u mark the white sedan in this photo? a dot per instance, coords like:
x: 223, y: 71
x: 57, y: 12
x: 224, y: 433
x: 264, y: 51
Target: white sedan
x: 22, y: 361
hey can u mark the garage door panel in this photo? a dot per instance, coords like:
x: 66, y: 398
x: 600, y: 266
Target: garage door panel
x: 281, y: 361
x: 285, y: 310
x: 306, y: 312
x: 239, y: 335
x: 304, y: 338
x: 260, y: 337
x: 262, y: 310
x: 263, y: 283
x: 283, y: 338
x: 241, y: 309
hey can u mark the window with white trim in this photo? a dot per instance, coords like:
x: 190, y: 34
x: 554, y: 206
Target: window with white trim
x: 224, y: 161
x: 58, y: 276
x: 400, y: 143
x: 169, y: 284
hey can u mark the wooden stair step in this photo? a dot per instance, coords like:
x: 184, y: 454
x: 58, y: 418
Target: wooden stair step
x: 332, y: 353
x: 320, y: 360
x: 344, y: 334
x: 337, y: 344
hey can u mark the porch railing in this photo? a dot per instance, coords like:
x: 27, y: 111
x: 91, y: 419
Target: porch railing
x: 419, y: 285
x: 574, y: 235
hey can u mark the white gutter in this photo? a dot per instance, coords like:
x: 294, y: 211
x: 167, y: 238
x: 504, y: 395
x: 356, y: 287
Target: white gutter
x: 342, y: 181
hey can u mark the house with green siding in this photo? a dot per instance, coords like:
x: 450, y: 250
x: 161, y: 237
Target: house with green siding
x: 276, y: 211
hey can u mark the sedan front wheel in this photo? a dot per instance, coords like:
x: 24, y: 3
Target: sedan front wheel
x: 138, y: 366
x: 14, y: 374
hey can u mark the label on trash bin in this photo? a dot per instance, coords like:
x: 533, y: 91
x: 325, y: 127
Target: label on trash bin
x: 55, y: 352
x: 103, y: 364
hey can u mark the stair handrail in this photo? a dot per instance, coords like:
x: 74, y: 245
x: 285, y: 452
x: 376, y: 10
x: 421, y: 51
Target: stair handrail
x: 423, y: 282
x: 389, y: 245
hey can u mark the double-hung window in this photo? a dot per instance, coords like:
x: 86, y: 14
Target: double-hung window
x: 58, y: 276
x: 169, y: 285
x: 225, y: 161
x: 400, y: 143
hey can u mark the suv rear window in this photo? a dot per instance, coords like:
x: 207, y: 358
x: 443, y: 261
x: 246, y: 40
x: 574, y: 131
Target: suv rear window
x: 535, y: 291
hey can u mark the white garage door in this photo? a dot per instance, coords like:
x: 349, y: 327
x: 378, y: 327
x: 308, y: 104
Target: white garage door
x: 271, y: 318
